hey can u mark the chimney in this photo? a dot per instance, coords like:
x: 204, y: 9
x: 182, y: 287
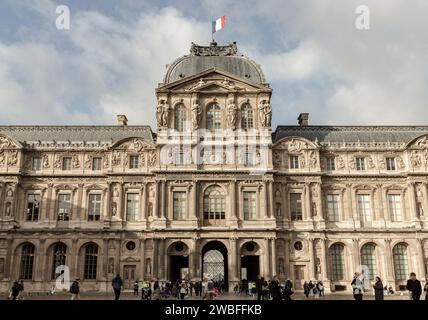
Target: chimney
x: 303, y: 119
x: 122, y: 120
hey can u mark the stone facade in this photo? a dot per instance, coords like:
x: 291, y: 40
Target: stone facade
x: 304, y: 202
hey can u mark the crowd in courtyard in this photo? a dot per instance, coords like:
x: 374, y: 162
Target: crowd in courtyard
x: 260, y: 289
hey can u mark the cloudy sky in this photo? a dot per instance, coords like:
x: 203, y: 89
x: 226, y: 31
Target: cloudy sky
x: 115, y: 53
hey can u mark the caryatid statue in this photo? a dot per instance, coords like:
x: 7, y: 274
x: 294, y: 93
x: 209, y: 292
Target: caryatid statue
x: 162, y: 113
x: 196, y: 114
x: 265, y: 113
x: 231, y: 113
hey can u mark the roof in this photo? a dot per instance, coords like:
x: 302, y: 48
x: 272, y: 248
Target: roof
x: 224, y: 58
x: 350, y: 134
x: 27, y: 135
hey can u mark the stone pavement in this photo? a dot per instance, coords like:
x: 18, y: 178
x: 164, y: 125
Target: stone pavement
x: 228, y: 296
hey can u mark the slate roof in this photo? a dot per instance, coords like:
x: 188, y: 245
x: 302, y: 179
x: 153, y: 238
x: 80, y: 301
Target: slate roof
x: 235, y: 64
x: 339, y: 134
x: 113, y: 134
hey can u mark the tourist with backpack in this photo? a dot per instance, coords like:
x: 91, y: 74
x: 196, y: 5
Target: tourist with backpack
x: 75, y: 290
x: 117, y: 285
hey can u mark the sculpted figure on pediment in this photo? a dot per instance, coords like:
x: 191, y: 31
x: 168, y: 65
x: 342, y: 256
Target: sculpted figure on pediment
x: 422, y: 143
x: 415, y: 159
x: 296, y: 146
x: 400, y: 162
x: 340, y: 162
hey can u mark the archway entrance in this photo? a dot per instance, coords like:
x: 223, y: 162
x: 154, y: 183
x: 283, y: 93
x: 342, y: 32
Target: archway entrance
x: 178, y: 254
x: 250, y: 261
x: 215, y: 263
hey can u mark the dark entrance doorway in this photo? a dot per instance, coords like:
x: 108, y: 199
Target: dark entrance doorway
x: 215, y: 263
x: 179, y: 268
x: 252, y: 266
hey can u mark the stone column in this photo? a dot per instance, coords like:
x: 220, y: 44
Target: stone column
x: 143, y: 196
x: 264, y: 200
x: 161, y: 256
x: 194, y: 203
x: 421, y: 257
x: 324, y: 260
x: 157, y: 204
x: 155, y: 260
x: 356, y: 256
x: 307, y: 215
x: 232, y: 186
x: 107, y: 202
x: 312, y: 275
x: 143, y: 259
x: 425, y: 201
x: 274, y: 271
x: 162, y: 199
x: 41, y: 263
x: 8, y: 260
x: 270, y: 197
x: 77, y: 208
x: 412, y: 201
x: 266, y: 263
x: 2, y: 195
x: 320, y: 208
x: 74, y: 257
x: 287, y: 258
x: 389, y: 262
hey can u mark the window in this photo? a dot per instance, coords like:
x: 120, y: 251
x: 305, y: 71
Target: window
x: 94, y: 207
x: 132, y: 206
x: 59, y: 255
x: 401, y: 269
x: 37, y: 163
x: 179, y: 118
x: 66, y: 163
x: 361, y: 164
x: 294, y: 162
x: 333, y: 207
x: 249, y: 158
x: 247, y: 120
x: 130, y: 245
x: 364, y: 207
x: 390, y: 164
x: 96, y: 164
x: 91, y: 259
x: 394, y: 204
x: 133, y: 162
x: 249, y: 205
x: 214, y: 204
x: 27, y: 261
x: 368, y: 258
x: 337, y: 262
x: 179, y: 205
x: 33, y: 207
x: 179, y: 157
x: 296, y: 206
x: 213, y: 117
x: 330, y: 164
x: 64, y: 207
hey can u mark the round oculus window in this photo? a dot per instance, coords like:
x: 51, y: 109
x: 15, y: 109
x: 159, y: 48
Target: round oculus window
x: 130, y: 245
x: 298, y: 245
x: 250, y: 246
x: 179, y: 246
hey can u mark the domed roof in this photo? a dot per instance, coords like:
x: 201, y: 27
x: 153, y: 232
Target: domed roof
x: 224, y: 58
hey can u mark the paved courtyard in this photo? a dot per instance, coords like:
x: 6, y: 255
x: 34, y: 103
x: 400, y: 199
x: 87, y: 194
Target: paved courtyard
x: 127, y: 295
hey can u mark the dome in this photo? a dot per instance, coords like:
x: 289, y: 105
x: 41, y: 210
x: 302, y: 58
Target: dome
x: 223, y: 58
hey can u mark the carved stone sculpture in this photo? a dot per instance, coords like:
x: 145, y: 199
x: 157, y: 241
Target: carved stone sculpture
x: 196, y: 114
x: 231, y: 113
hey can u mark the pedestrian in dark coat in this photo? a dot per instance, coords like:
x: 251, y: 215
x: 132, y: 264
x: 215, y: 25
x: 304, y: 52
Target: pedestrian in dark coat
x: 275, y: 289
x: 259, y: 287
x: 378, y: 289
x: 414, y: 286
x: 306, y: 289
x: 117, y: 285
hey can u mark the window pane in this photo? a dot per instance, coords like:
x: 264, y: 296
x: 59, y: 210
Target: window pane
x: 91, y: 260
x: 337, y: 262
x: 331, y: 165
x: 294, y: 162
x: 390, y: 164
x: 361, y: 164
x: 33, y: 207
x: 180, y: 118
x: 27, y: 261
x: 64, y: 207
x: 66, y: 163
x: 37, y: 164
x: 96, y: 164
x: 296, y: 206
x: 133, y: 162
x: 249, y: 205
x: 59, y: 256
x: 368, y: 258
x: 94, y: 207
x: 333, y: 207
x: 400, y: 262
x: 214, y: 204
x: 132, y: 206
x: 179, y: 205
x: 394, y: 203
x: 364, y: 207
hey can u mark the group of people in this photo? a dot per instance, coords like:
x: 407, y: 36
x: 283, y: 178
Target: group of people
x: 313, y: 289
x: 16, y: 292
x: 413, y: 285
x: 264, y: 289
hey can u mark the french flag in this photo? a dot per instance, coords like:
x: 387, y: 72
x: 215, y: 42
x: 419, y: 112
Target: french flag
x: 219, y: 24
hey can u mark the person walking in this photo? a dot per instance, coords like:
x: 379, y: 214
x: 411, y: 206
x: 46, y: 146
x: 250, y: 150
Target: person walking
x: 21, y: 290
x: 183, y: 290
x: 414, y: 286
x: 320, y: 288
x: 306, y: 289
x: 156, y: 291
x: 75, y: 290
x: 117, y: 285
x: 14, y: 291
x: 275, y: 289
x: 135, y: 287
x: 259, y: 287
x: 288, y: 290
x: 357, y: 287
x: 210, y: 290
x: 378, y: 289
x: 426, y: 288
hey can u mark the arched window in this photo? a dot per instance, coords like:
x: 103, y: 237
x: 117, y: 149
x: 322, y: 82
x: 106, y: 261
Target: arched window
x: 368, y: 258
x: 214, y: 204
x: 179, y: 117
x: 213, y: 117
x: 337, y: 262
x: 247, y: 119
x: 401, y: 268
x: 91, y: 259
x: 27, y: 261
x: 58, y: 257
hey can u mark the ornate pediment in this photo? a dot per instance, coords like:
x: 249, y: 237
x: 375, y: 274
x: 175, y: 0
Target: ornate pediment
x: 420, y: 143
x: 133, y: 145
x: 295, y: 144
x: 7, y: 143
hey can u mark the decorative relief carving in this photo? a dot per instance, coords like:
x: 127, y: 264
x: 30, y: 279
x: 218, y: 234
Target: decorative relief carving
x: 195, y: 85
x: 58, y: 162
x: 46, y: 163
x: 213, y: 50
x: 152, y: 158
x: 2, y: 158
x: 313, y: 159
x: 422, y: 143
x: 352, y: 163
x: 265, y: 113
x: 76, y: 161
x: 231, y: 113
x: 277, y: 158
x: 162, y: 113
x: 296, y: 146
x: 400, y: 162
x: 196, y: 114
x: 12, y: 158
x: 340, y: 162
x: 370, y: 162
x: 415, y: 159
x: 117, y: 159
